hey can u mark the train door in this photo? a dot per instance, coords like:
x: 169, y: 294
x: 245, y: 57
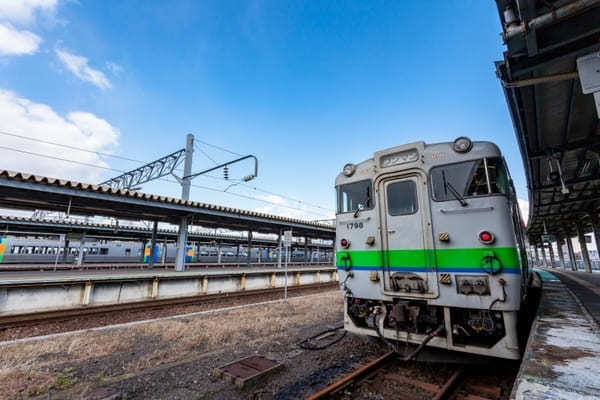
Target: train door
x: 409, y: 265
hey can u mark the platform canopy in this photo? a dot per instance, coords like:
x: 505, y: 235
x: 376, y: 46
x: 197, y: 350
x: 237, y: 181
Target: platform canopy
x: 19, y: 226
x: 32, y: 192
x: 556, y: 124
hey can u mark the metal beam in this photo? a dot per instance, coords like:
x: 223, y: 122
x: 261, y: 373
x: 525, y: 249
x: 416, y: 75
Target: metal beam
x: 569, y: 182
x: 585, y: 144
x: 584, y: 251
x: 551, y: 254
x: 81, y: 244
x: 249, y: 248
x: 571, y: 253
x: 542, y: 79
x: 190, y: 176
x: 185, y: 195
x: 543, y: 246
x: 561, y: 255
x: 152, y: 244
x: 541, y: 21
x: 146, y: 173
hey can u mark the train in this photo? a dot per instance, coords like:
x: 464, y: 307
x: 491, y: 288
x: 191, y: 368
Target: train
x: 18, y: 250
x: 431, y: 249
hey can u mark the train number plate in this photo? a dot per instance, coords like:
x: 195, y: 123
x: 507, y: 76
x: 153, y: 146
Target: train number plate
x: 355, y: 225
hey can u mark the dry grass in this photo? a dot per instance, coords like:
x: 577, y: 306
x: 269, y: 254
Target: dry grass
x: 149, y: 345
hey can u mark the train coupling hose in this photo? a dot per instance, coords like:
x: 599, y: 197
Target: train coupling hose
x: 436, y: 332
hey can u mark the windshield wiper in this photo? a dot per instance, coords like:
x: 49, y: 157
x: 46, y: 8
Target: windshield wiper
x: 457, y: 196
x: 367, y: 202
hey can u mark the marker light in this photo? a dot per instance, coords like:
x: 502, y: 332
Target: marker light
x: 462, y: 145
x: 486, y: 237
x: 344, y: 243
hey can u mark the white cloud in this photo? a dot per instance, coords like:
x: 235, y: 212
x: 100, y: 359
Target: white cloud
x: 15, y: 42
x: 114, y: 67
x: 290, y: 209
x: 524, y: 207
x: 78, y: 65
x: 82, y: 129
x: 23, y: 11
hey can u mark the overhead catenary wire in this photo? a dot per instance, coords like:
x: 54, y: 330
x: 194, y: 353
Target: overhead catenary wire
x: 217, y: 147
x: 161, y: 179
x: 205, y: 153
x: 286, y: 197
x: 66, y: 146
x: 60, y: 159
x: 283, y: 196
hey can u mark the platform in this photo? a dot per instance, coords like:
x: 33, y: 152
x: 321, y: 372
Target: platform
x: 563, y: 351
x: 37, y: 291
x: 121, y: 265
x: 586, y: 287
x: 22, y: 278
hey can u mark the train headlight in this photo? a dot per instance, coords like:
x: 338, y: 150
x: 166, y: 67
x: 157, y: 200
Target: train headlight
x: 486, y: 237
x: 349, y: 169
x: 462, y: 145
x: 345, y: 243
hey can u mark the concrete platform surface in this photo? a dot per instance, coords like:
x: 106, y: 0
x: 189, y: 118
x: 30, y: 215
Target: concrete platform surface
x: 34, y: 277
x: 586, y: 287
x: 563, y: 352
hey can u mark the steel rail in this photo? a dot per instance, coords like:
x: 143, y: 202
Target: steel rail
x: 440, y: 393
x: 353, y: 377
x: 9, y: 321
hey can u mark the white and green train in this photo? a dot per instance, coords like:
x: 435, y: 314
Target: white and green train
x: 431, y: 248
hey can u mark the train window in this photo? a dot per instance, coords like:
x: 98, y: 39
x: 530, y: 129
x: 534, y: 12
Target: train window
x: 355, y: 196
x: 498, y: 175
x: 103, y: 251
x: 477, y: 184
x: 469, y: 179
x: 127, y: 252
x: 402, y: 198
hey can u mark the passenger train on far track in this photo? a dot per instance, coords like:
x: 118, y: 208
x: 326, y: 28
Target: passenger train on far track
x: 15, y: 250
x: 431, y: 248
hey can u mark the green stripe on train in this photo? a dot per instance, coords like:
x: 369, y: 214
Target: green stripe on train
x: 443, y: 258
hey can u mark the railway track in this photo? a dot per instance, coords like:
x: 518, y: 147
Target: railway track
x: 385, y: 378
x: 20, y: 320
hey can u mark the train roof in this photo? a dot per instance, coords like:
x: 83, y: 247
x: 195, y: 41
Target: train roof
x: 416, y: 155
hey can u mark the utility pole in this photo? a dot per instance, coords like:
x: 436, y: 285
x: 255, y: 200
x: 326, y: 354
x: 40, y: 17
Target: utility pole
x: 165, y: 166
x: 185, y: 195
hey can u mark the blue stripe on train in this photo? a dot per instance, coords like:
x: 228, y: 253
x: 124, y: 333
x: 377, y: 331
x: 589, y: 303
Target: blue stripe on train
x: 423, y: 269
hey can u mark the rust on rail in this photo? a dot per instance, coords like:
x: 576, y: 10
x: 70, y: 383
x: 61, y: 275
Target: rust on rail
x: 353, y: 376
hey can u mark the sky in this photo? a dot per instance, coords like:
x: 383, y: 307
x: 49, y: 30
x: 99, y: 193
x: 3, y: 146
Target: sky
x: 305, y: 86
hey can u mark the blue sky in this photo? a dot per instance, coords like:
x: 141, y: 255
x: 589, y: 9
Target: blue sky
x: 306, y: 86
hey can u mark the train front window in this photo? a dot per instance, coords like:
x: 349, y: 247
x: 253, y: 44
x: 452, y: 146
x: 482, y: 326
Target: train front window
x: 402, y: 198
x: 469, y: 179
x: 498, y: 176
x: 355, y: 196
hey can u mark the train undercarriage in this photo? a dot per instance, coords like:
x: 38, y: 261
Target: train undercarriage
x: 476, y: 331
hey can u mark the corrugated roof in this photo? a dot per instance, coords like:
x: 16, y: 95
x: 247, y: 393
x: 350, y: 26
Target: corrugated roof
x: 556, y: 125
x: 43, y: 180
